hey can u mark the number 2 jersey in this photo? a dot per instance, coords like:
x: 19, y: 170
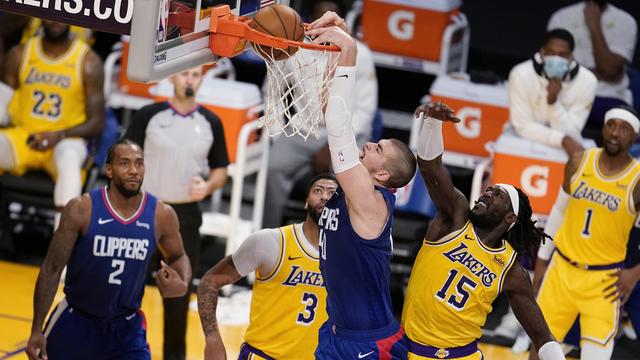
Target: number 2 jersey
x: 107, y: 269
x: 452, y: 286
x: 600, y: 214
x: 50, y: 95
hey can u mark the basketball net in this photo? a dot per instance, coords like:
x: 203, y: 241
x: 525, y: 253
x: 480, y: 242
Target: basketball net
x: 296, y: 90
x: 297, y: 82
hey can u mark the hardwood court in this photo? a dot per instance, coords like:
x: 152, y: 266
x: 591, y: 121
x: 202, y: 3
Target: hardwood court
x: 16, y: 310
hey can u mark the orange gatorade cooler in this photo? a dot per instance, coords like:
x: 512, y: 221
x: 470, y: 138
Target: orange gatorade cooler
x: 535, y: 168
x: 412, y: 28
x: 234, y: 102
x: 483, y: 109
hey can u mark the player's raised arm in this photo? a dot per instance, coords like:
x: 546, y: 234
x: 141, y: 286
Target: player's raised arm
x: 556, y: 217
x: 451, y: 203
x: 364, y: 202
x: 258, y: 252
x: 74, y: 221
x: 174, y: 275
x: 520, y: 292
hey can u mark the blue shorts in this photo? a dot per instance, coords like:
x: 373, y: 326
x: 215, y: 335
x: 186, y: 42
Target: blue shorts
x: 72, y: 336
x: 336, y: 344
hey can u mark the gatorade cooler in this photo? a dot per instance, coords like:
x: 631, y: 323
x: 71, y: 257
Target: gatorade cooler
x: 483, y: 109
x: 234, y: 102
x: 412, y: 28
x: 535, y: 168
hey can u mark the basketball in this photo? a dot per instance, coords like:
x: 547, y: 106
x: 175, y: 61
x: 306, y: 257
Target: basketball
x: 281, y: 21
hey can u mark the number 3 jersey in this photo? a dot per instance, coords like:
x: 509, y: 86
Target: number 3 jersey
x: 50, y: 95
x: 600, y: 214
x: 107, y: 269
x: 452, y: 286
x: 288, y: 304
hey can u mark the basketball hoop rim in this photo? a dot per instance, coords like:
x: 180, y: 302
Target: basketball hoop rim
x: 225, y: 24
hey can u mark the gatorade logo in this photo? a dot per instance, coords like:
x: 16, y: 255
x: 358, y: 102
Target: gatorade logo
x: 400, y: 24
x: 534, y: 180
x: 470, y: 126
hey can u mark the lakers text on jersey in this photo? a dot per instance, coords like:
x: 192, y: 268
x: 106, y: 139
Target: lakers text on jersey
x: 288, y: 304
x: 452, y: 286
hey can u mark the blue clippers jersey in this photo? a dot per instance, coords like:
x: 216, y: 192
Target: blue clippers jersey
x: 107, y: 269
x: 355, y: 271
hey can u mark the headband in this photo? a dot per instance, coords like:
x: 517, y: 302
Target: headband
x: 514, y: 197
x: 625, y: 115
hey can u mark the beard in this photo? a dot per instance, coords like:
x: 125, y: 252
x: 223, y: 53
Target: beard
x: 188, y: 92
x: 488, y: 220
x: 313, y: 213
x: 128, y: 193
x: 612, y: 152
x: 56, y: 38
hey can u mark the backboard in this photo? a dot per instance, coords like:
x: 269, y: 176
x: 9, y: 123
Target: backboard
x: 168, y: 36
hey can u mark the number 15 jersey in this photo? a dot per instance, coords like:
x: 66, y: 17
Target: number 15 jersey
x: 452, y: 286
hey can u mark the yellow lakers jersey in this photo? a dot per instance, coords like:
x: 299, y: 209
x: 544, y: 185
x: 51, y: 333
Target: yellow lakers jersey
x: 34, y: 28
x: 453, y: 283
x: 600, y: 214
x: 288, y: 305
x: 50, y: 95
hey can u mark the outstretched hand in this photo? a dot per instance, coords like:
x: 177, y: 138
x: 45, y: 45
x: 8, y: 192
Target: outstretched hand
x: 437, y: 110
x: 170, y: 283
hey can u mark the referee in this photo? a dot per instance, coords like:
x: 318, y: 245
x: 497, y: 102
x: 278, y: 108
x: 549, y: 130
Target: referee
x: 185, y: 160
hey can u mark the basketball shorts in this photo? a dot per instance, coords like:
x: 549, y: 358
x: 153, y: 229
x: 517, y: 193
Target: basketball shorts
x: 24, y: 157
x: 73, y: 336
x: 568, y: 291
x: 248, y: 352
x: 477, y: 356
x: 419, y: 351
x: 335, y: 344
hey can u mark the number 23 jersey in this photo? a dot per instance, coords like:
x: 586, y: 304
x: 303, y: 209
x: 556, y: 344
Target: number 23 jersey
x: 50, y: 95
x: 452, y: 286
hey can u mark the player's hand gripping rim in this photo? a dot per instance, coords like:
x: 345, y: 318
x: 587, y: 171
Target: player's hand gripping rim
x: 437, y: 110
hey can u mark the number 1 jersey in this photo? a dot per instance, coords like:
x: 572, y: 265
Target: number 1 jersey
x: 600, y: 214
x: 452, y: 286
x: 106, y: 272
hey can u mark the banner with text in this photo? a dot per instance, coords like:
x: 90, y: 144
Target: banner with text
x: 112, y: 16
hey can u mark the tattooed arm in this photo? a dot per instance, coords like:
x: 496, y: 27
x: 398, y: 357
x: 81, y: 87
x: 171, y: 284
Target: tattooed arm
x: 260, y: 251
x: 223, y: 273
x: 74, y: 221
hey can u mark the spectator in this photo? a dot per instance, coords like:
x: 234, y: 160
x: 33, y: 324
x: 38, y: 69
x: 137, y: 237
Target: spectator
x: 57, y: 104
x: 550, y: 95
x: 180, y: 135
x: 294, y: 156
x: 605, y: 38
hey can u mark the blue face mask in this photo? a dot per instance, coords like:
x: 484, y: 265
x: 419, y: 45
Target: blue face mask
x: 556, y: 67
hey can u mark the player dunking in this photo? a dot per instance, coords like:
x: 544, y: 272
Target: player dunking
x: 467, y: 258
x: 289, y: 299
x: 355, y: 225
x: 594, y: 211
x: 106, y: 238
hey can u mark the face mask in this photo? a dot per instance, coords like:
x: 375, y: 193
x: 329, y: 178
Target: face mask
x: 556, y: 67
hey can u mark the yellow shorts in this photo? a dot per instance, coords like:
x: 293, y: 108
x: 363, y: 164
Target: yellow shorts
x: 476, y: 356
x: 568, y: 291
x: 26, y: 158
